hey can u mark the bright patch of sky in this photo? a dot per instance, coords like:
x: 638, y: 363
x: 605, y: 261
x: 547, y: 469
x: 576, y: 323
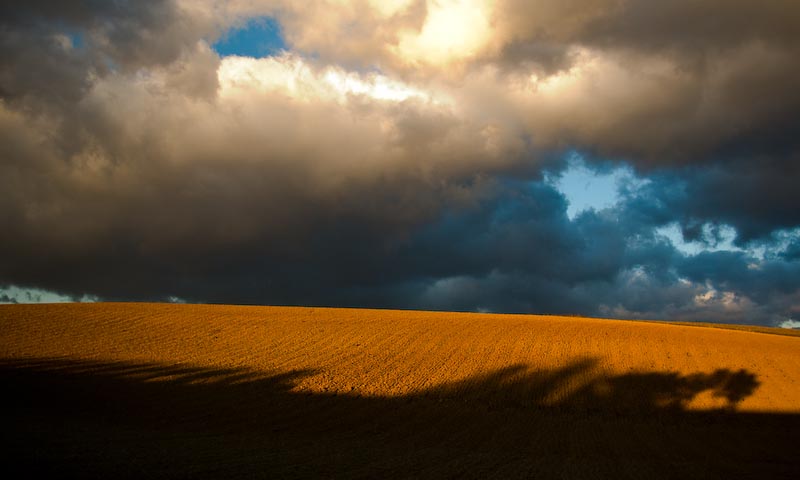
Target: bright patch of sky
x: 588, y: 188
x: 15, y: 294
x: 716, y: 238
x: 259, y: 37
x: 721, y: 240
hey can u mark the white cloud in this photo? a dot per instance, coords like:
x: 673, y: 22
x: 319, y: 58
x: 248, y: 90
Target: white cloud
x: 794, y: 324
x: 717, y: 238
x: 15, y: 294
x: 291, y: 75
x: 453, y: 30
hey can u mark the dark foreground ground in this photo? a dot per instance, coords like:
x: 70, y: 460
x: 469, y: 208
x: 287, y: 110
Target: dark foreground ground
x: 65, y: 418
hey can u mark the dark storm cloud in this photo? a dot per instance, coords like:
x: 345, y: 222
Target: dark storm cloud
x: 792, y: 252
x: 7, y: 299
x: 137, y: 164
x: 677, y: 25
x: 757, y: 196
x: 519, y: 252
x: 734, y: 271
x: 686, y: 29
x: 49, y: 50
x: 694, y: 81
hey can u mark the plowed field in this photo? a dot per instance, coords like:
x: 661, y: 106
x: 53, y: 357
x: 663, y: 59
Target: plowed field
x: 132, y: 390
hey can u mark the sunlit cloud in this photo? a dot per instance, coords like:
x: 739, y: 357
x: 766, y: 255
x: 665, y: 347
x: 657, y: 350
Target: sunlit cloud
x: 388, y: 8
x: 292, y: 76
x: 453, y: 30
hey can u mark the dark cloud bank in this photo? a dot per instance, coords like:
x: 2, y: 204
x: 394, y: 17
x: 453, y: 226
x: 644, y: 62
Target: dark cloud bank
x: 126, y: 174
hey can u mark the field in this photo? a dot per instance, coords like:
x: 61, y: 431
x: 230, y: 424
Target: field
x: 199, y: 391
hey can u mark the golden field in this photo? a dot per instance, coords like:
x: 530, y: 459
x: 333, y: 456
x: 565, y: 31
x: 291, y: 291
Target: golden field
x: 187, y: 391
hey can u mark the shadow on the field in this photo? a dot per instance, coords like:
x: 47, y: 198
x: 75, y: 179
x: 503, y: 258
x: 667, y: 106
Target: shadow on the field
x: 117, y: 419
x: 576, y: 386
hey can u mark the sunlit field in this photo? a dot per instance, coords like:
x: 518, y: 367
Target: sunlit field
x: 199, y: 391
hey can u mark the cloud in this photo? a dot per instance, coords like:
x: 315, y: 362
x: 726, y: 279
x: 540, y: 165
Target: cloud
x: 12, y: 294
x: 149, y: 169
x: 50, y: 51
x: 664, y: 85
x: 393, y: 157
x: 790, y: 324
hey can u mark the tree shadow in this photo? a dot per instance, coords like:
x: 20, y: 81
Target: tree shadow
x: 71, y: 418
x: 577, y: 387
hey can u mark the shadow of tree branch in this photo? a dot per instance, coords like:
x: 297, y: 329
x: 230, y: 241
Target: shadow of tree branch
x: 99, y: 419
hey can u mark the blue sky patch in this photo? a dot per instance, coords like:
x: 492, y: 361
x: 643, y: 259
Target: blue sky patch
x: 259, y: 37
x: 76, y: 39
x: 587, y: 188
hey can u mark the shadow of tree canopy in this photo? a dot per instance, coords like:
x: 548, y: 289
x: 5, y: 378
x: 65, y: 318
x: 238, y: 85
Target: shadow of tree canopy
x: 71, y: 418
x: 631, y: 393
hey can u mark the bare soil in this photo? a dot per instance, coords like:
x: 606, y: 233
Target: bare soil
x: 202, y: 391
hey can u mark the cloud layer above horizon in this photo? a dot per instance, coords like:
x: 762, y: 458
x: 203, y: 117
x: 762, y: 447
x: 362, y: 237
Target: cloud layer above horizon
x: 407, y: 154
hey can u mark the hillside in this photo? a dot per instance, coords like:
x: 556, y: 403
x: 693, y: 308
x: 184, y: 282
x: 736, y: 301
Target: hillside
x: 210, y: 391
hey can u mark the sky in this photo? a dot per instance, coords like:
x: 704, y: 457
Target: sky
x: 626, y: 159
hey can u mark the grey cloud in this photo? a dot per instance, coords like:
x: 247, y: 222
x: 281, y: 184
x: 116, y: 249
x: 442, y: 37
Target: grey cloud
x: 684, y: 28
x: 615, y: 265
x: 162, y: 191
x: 137, y: 178
x: 693, y: 82
x: 735, y: 272
x: 792, y: 252
x: 50, y: 50
x: 756, y: 196
x: 7, y: 299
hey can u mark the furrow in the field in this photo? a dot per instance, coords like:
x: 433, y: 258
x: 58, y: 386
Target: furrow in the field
x: 355, y: 370
x: 440, y: 360
x: 294, y: 343
x: 278, y: 344
x: 467, y: 348
x: 475, y: 356
x: 389, y: 360
x: 427, y: 359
